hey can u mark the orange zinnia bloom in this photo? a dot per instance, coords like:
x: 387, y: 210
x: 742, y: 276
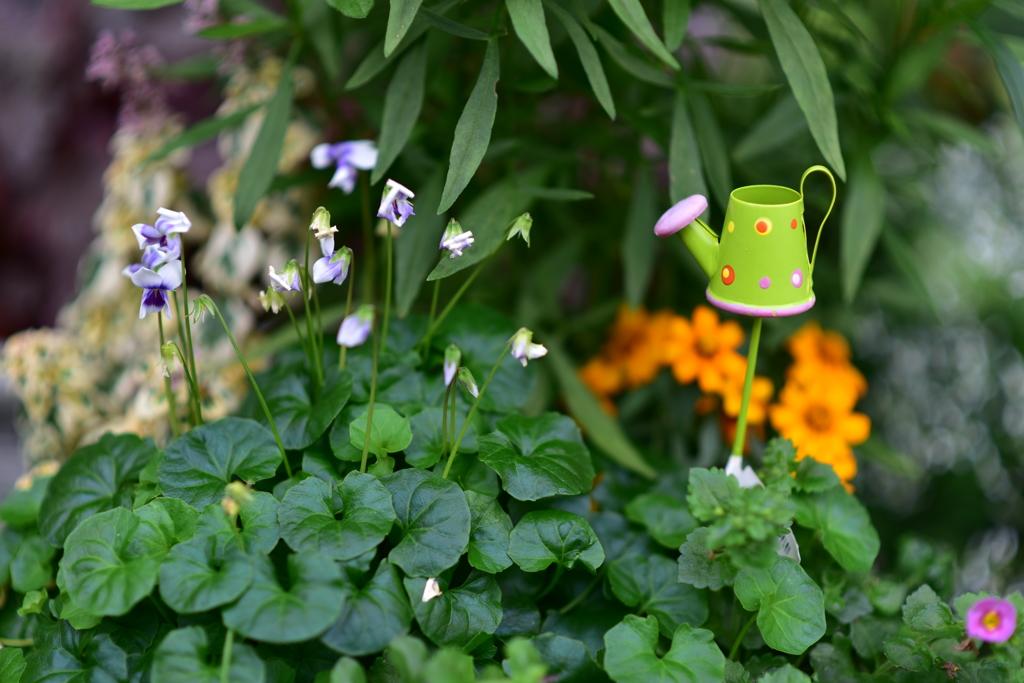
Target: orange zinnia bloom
x: 823, y: 355
x: 704, y: 349
x: 818, y: 418
x: 761, y: 392
x: 632, y: 345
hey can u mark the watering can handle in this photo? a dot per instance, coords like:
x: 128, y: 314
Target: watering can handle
x: 808, y: 172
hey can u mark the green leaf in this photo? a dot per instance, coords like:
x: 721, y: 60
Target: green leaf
x: 1010, y: 69
x: 63, y: 654
x: 711, y: 492
x: 632, y: 65
x: 425, y: 448
x: 712, y: 147
x: 779, y: 126
x: 862, y: 221
x: 402, y: 104
x: 844, y: 525
x: 632, y: 14
x: 21, y: 506
x: 639, y: 242
x: 631, y: 654
x: 260, y: 529
x: 399, y: 21
x: 299, y: 420
x: 685, y: 176
x: 270, y: 612
x: 95, y: 478
x: 372, y: 615
x: 936, y: 621
x: 434, y: 519
x: 917, y: 601
x: 309, y: 516
x: 812, y: 476
x: 543, y: 537
x: 240, y: 30
x: 106, y: 568
x: 489, y: 537
x: 568, y: 660
x: 346, y: 670
x: 649, y: 584
x: 805, y: 70
x: 165, y: 522
x: 786, y: 674
x: 588, y: 58
x: 531, y: 27
x: 869, y: 632
x: 33, y: 603
x: 185, y: 656
x: 908, y: 654
x: 667, y: 519
x: 441, y: 22
x: 12, y: 664
x: 791, y: 607
x: 556, y: 194
x: 206, y: 128
x: 390, y: 432
x: 473, y: 132
x: 32, y: 563
x: 604, y: 432
x: 135, y: 4
x: 258, y: 171
x: 197, y: 466
x: 416, y: 252
x: 202, y: 573
x: 676, y: 16
x: 458, y: 615
x: 537, y: 457
x: 356, y: 9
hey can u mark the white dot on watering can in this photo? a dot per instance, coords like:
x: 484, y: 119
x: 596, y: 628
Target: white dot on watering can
x: 797, y: 278
x: 766, y: 282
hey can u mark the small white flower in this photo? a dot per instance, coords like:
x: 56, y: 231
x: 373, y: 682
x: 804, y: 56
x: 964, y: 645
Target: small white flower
x: 455, y: 239
x: 321, y: 225
x: 288, y: 279
x: 523, y: 348
x: 356, y: 328
x: 452, y: 357
x: 431, y: 590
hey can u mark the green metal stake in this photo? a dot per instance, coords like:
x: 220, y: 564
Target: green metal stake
x: 741, y: 421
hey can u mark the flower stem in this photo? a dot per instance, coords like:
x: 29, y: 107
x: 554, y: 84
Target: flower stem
x: 430, y: 322
x: 315, y: 338
x: 741, y: 421
x: 198, y: 417
x: 188, y: 323
x: 585, y: 592
x: 472, y: 410
x: 348, y: 311
x: 368, y: 247
x: 387, y: 294
x: 252, y: 380
x: 318, y: 377
x: 444, y: 421
x: 743, y: 631
x: 298, y: 332
x: 225, y: 657
x: 451, y: 413
x: 373, y: 396
x: 451, y: 304
x: 193, y: 398
x: 172, y: 407
x: 559, y: 570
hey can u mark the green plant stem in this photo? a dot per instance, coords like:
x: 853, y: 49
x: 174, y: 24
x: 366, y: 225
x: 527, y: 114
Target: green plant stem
x: 255, y: 386
x: 318, y: 377
x: 472, y: 410
x: 307, y: 275
x: 387, y: 294
x: 172, y: 406
x: 575, y: 602
x: 318, y: 322
x: 191, y: 382
x: 188, y: 323
x: 17, y: 642
x: 455, y: 400
x: 734, y: 650
x: 162, y: 609
x: 225, y: 657
x: 741, y: 421
x: 451, y: 304
x: 348, y: 311
x: 444, y: 421
x: 559, y: 570
x: 430, y: 321
x: 298, y: 331
x: 193, y: 399
x: 368, y: 247
x: 369, y: 413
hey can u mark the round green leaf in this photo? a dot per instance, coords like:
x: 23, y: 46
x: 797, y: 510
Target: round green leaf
x: 106, y: 568
x: 390, y: 432
x: 308, y: 516
x: 909, y: 654
x: 96, y: 478
x: 488, y: 540
x: 197, y: 466
x: 631, y: 654
x: 184, y: 657
x: 650, y: 585
x: 31, y: 563
x: 700, y: 567
x: 21, y: 506
x: 845, y: 526
x: 260, y: 529
x: 568, y: 660
x: 201, y: 574
x: 543, y: 537
x: 301, y: 421
x: 667, y: 518
x: 372, y: 615
x: 425, y: 448
x: 163, y: 523
x: 434, y: 519
x: 538, y: 456
x: 270, y: 612
x: 63, y: 654
x: 458, y: 615
x: 791, y: 607
x: 339, y: 437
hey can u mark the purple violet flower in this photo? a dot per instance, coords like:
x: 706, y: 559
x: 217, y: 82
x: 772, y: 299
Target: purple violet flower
x: 452, y: 358
x: 455, y: 239
x: 334, y: 265
x: 394, y: 204
x: 992, y: 620
x: 348, y: 157
x: 356, y: 328
x: 155, y: 285
x: 287, y: 280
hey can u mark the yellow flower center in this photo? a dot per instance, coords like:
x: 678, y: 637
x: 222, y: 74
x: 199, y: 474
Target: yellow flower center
x: 990, y: 621
x: 818, y: 418
x: 707, y: 345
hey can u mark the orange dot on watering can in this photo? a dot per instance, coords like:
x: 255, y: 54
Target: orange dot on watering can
x: 793, y: 224
x: 728, y: 275
x: 763, y: 226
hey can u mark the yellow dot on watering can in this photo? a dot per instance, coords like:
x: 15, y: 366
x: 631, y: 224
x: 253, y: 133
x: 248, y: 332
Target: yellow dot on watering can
x: 763, y: 226
x: 732, y: 226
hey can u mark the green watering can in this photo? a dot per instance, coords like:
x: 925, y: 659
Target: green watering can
x: 760, y: 266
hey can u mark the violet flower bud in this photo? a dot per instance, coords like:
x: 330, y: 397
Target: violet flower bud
x: 523, y: 348
x: 356, y: 328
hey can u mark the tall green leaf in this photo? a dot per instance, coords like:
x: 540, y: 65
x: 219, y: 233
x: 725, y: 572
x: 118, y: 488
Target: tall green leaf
x: 685, y: 176
x: 416, y: 252
x: 204, y: 129
x: 632, y: 65
x: 473, y: 132
x: 639, y: 242
x: 712, y: 147
x: 531, y: 27
x: 588, y: 57
x: 632, y: 14
x: 399, y: 20
x: 259, y: 169
x: 779, y: 125
x: 402, y: 104
x: 1011, y: 71
x: 675, y: 17
x: 601, y: 429
x: 439, y: 21
x: 356, y: 9
x: 806, y: 73
x: 862, y: 220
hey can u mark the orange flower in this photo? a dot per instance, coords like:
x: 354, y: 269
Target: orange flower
x: 704, y: 349
x: 761, y: 393
x: 818, y: 418
x: 602, y: 376
x: 632, y: 345
x: 823, y: 355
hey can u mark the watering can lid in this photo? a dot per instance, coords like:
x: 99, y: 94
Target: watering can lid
x: 681, y: 215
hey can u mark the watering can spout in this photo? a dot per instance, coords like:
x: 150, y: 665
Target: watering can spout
x: 699, y: 239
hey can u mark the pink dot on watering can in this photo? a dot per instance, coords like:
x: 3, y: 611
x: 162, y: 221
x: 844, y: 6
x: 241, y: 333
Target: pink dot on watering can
x: 765, y: 282
x: 797, y: 278
x: 681, y: 215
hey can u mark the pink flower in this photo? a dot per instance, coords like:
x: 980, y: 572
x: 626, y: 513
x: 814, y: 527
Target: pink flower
x: 992, y: 620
